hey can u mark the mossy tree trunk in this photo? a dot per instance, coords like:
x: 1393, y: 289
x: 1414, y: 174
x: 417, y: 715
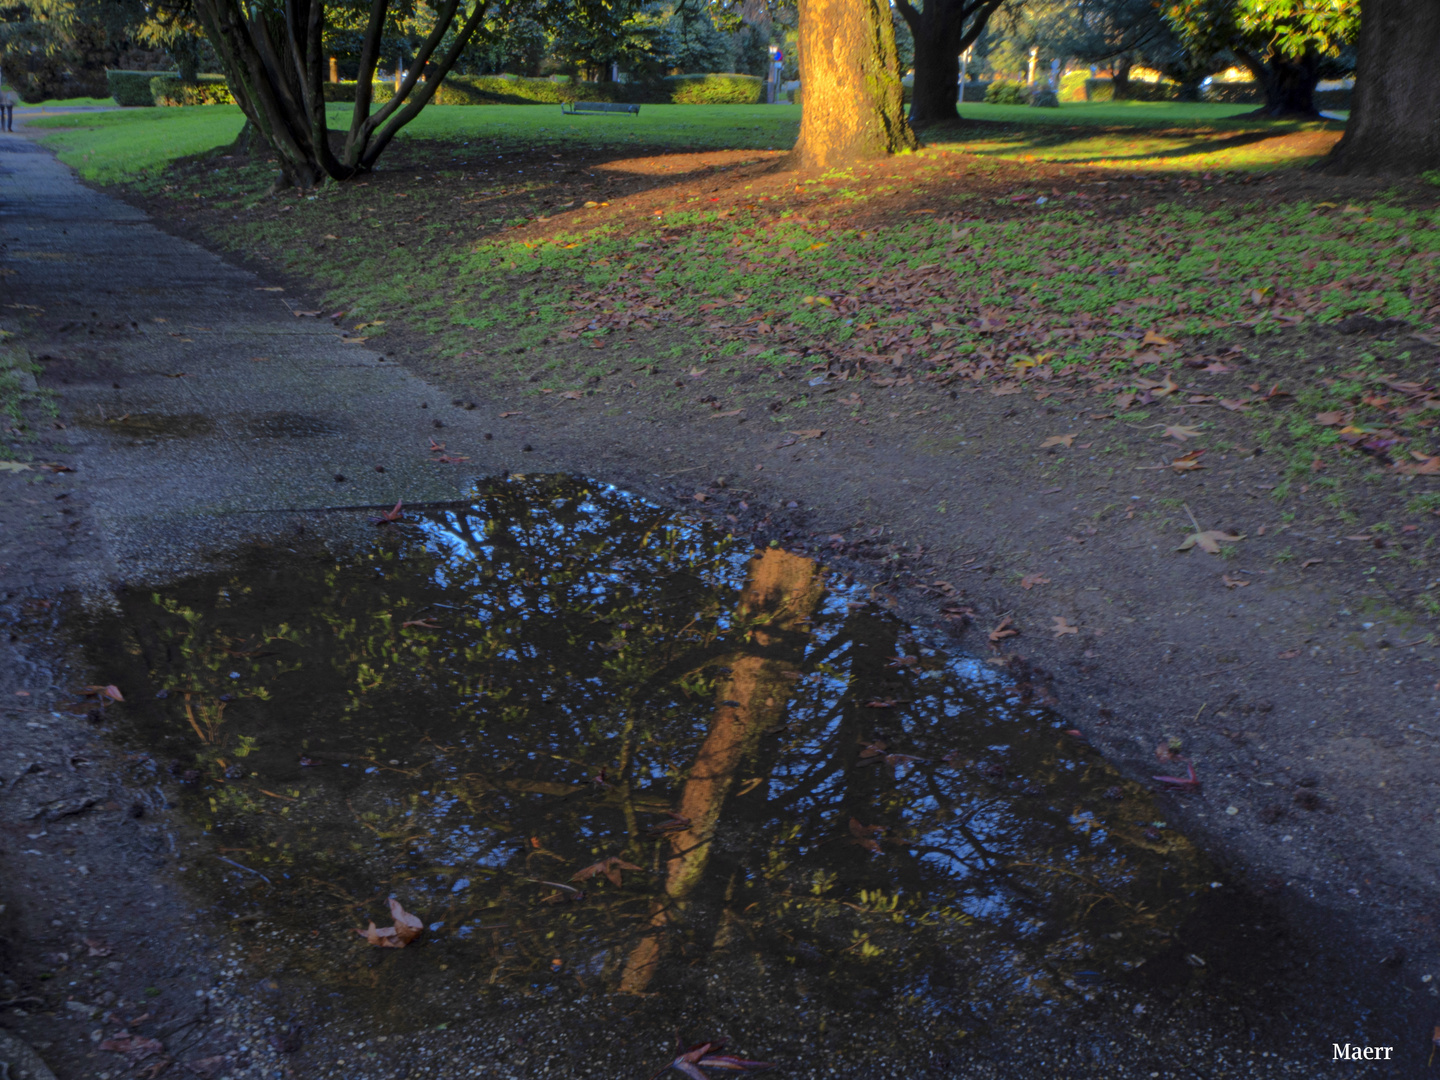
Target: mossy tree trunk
x: 852, y: 104
x: 943, y: 29
x: 1394, y: 125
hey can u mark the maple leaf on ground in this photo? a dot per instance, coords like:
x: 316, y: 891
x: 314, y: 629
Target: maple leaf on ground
x: 1180, y: 432
x: 1058, y: 440
x: 1209, y: 540
x: 1062, y: 626
x: 610, y: 867
x: 1330, y: 419
x: 406, y: 929
x: 390, y: 516
x: 1003, y: 630
x: 1233, y: 583
x: 1187, y: 462
x: 1029, y: 581
x: 706, y: 1055
x: 1427, y: 466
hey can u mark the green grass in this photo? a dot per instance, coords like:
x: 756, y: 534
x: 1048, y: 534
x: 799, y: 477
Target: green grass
x: 129, y: 145
x: 133, y: 144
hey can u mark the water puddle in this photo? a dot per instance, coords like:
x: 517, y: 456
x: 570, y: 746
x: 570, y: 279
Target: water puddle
x: 600, y: 750
x: 147, y: 427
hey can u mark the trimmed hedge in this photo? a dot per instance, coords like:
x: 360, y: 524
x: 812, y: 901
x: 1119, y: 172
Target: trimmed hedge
x: 210, y: 90
x: 130, y: 87
x: 1135, y: 90
x: 1005, y: 92
x: 514, y: 90
x: 720, y: 89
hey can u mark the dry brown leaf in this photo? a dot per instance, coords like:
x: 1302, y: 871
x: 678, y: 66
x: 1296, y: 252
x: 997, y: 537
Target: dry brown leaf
x: 1330, y: 419
x: 1180, y: 432
x: 1209, y: 540
x: 809, y: 433
x: 1003, y: 630
x: 1062, y: 626
x: 1029, y: 581
x: 1235, y: 404
x: 1233, y: 583
x: 1058, y: 440
x: 572, y: 395
x: 728, y: 412
x: 1153, y: 337
x: 1288, y: 654
x: 406, y: 929
x: 610, y: 867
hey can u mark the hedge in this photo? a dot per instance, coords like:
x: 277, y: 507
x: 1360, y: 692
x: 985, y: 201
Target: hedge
x: 210, y: 90
x: 514, y: 90
x: 130, y: 87
x: 1005, y: 92
x: 725, y: 89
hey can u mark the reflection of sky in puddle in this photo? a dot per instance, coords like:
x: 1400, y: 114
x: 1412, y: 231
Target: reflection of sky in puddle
x: 572, y: 677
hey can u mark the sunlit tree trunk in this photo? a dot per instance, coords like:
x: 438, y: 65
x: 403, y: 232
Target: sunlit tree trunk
x: 852, y: 104
x: 782, y: 591
x: 1394, y: 122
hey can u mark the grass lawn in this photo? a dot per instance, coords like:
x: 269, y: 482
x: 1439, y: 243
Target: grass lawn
x: 1155, y: 265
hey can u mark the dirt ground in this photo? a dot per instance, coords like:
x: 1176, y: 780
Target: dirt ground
x: 1303, y: 692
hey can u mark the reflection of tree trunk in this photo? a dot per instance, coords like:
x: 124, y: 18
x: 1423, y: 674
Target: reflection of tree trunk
x: 782, y: 591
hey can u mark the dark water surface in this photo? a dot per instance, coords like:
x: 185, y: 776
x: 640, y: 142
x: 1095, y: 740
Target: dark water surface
x: 607, y: 754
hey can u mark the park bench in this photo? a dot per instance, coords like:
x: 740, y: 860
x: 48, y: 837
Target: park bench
x: 577, y: 107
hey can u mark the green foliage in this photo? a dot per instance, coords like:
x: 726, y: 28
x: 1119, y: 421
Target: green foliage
x: 1099, y: 90
x: 209, y: 90
x: 1005, y: 92
x: 715, y: 89
x: 131, y: 87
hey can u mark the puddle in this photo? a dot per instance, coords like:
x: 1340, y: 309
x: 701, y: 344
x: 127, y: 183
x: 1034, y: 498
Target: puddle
x: 292, y: 425
x: 149, y: 426
x: 602, y: 751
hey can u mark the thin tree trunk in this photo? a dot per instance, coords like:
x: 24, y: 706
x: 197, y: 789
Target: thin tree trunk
x: 1394, y: 123
x: 853, y: 105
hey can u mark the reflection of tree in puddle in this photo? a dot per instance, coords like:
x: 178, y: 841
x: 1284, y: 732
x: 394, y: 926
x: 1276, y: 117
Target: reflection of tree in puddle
x: 478, y: 709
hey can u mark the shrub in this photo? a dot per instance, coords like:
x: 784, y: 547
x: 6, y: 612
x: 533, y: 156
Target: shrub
x: 130, y: 87
x: 500, y: 90
x: 793, y: 95
x: 380, y: 91
x: 1099, y: 90
x: 1233, y: 93
x: 976, y: 89
x: 1042, y: 97
x: 1005, y: 92
x: 1151, y: 91
x: 210, y: 90
x: 1073, y: 86
x: 720, y: 89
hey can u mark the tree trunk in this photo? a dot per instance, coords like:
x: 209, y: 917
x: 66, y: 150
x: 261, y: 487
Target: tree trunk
x: 1394, y: 123
x: 937, y: 72
x: 1120, y: 79
x: 850, y: 77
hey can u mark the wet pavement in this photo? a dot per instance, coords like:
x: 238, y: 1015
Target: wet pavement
x: 634, y: 778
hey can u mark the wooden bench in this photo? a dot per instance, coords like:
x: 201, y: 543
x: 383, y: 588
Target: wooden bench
x: 577, y: 107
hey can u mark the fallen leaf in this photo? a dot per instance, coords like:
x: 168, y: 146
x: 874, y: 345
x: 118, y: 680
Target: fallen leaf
x: 390, y: 516
x: 98, y: 947
x: 808, y: 433
x: 1029, y: 581
x: 610, y: 867
x: 1233, y: 583
x: 1330, y: 419
x: 1168, y: 751
x: 1153, y: 338
x: 1058, y: 440
x: 1235, y: 404
x: 1062, y: 626
x: 307, y: 314
x: 572, y: 395
x: 14, y: 466
x: 135, y: 1047
x: 1003, y: 630
x: 690, y: 1061
x: 406, y: 929
x: 1187, y: 462
x: 1428, y: 465
x: 1209, y: 540
x: 353, y: 340
x: 865, y: 835
x: 1311, y: 562
x: 1180, y: 432
x: 503, y: 415
x: 1288, y: 654
x: 728, y: 412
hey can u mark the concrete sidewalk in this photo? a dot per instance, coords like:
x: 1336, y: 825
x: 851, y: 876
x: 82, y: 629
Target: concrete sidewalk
x: 198, y: 407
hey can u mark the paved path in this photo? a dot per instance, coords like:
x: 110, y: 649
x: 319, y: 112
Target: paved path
x: 238, y: 410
